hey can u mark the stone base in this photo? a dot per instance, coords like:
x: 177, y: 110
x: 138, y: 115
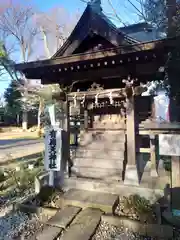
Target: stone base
x: 113, y: 187
x: 131, y: 175
x: 105, y: 201
x: 154, y: 173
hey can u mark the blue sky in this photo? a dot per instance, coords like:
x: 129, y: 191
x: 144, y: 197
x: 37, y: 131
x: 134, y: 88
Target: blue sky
x: 125, y: 11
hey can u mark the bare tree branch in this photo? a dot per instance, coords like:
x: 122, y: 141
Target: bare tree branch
x: 16, y: 23
x: 55, y: 26
x: 140, y: 13
x: 115, y: 13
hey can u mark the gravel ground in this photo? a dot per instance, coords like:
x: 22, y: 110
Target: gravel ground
x: 108, y: 232
x: 13, y: 197
x: 16, y: 224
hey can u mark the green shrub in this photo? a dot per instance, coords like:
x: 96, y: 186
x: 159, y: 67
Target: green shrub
x: 167, y: 166
x: 46, y: 193
x: 39, y: 162
x: 139, y: 206
x: 2, y: 177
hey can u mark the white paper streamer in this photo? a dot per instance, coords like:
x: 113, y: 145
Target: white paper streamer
x: 96, y: 99
x: 75, y: 100
x: 111, y: 98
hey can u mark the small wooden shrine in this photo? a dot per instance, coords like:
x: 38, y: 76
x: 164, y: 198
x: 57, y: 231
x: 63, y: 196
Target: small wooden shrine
x: 104, y: 69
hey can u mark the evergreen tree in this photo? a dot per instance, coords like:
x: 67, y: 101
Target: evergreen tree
x: 12, y: 96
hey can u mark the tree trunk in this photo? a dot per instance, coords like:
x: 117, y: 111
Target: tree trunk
x: 17, y: 119
x: 40, y: 110
x: 45, y: 43
x: 24, y: 120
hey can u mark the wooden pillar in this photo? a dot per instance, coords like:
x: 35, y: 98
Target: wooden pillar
x: 131, y: 174
x: 175, y: 171
x: 85, y: 119
x: 153, y: 110
x: 153, y: 156
x: 66, y: 128
x: 171, y: 13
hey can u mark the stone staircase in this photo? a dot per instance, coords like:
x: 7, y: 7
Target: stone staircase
x: 100, y: 155
x: 79, y: 217
x: 83, y: 213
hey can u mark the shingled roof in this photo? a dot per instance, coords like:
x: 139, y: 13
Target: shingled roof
x: 93, y: 22
x: 142, y: 32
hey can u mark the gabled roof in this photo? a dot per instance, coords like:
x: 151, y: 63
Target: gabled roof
x: 142, y: 32
x: 93, y: 21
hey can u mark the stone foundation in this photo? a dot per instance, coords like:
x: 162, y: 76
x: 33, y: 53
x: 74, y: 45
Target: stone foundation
x: 100, y: 155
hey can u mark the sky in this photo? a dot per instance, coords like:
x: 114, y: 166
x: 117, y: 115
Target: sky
x: 125, y: 11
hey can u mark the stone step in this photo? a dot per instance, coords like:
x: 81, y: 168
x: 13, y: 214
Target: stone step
x: 84, y: 225
x: 108, y: 137
x: 64, y: 217
x: 81, y: 198
x: 97, y: 173
x: 118, y: 146
x: 99, y: 154
x: 48, y: 233
x: 102, y: 144
x: 152, y: 192
x: 98, y: 163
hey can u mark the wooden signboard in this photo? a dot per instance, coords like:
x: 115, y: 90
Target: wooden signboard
x: 53, y: 149
x: 169, y: 144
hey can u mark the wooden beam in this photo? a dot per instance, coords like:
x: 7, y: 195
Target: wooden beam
x: 116, y: 93
x: 122, y: 50
x: 144, y: 150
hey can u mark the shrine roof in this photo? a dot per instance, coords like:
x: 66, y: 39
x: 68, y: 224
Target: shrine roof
x: 142, y: 32
x: 74, y: 61
x: 93, y: 21
x: 95, y: 43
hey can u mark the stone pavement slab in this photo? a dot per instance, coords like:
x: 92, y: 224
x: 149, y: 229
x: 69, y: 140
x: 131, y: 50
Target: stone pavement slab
x: 64, y: 217
x: 84, y: 199
x: 84, y: 225
x: 48, y: 233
